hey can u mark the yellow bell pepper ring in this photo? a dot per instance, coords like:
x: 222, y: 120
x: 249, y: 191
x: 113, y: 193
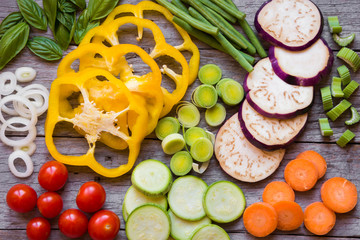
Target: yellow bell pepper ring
x: 109, y: 33
x: 187, y: 45
x: 93, y: 120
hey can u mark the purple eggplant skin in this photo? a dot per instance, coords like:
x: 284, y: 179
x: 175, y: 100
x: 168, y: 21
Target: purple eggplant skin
x: 293, y: 80
x: 267, y: 37
x: 261, y: 145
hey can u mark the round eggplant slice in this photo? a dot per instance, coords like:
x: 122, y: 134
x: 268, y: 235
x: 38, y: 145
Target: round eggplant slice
x: 304, y: 68
x: 269, y: 133
x: 272, y: 97
x: 239, y: 158
x: 291, y: 24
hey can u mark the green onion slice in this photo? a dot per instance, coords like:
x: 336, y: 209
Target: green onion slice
x: 188, y: 114
x: 350, y: 57
x: 192, y: 134
x: 181, y: 163
x: 202, y: 149
x: 350, y: 89
x: 339, y: 109
x: 200, y: 168
x: 344, y: 74
x: 230, y: 91
x: 167, y: 126
x: 336, y: 90
x: 204, y: 96
x: 345, y: 138
x: 216, y: 115
x: 210, y: 74
x: 326, y: 98
x: 355, y: 117
x: 173, y: 143
x: 343, y: 41
x: 325, y: 127
x: 334, y: 24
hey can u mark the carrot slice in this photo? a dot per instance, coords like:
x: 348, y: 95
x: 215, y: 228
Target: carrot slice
x: 319, y: 219
x: 316, y: 159
x: 278, y: 191
x: 339, y: 194
x: 290, y: 215
x: 260, y: 219
x: 301, y: 175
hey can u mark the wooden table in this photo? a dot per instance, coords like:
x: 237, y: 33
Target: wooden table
x: 341, y: 162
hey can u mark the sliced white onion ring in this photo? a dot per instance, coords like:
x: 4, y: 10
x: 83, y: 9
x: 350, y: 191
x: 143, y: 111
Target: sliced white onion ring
x: 200, y: 168
x: 29, y: 148
x: 8, y: 110
x: 27, y: 160
x: 25, y: 74
x: 21, y: 142
x: 28, y: 104
x: 41, y: 101
x: 7, y: 88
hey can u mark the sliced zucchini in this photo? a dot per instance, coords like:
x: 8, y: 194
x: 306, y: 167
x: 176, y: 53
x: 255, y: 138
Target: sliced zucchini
x: 152, y: 178
x: 148, y: 221
x: 185, y: 198
x: 210, y: 232
x: 182, y: 229
x: 134, y: 198
x: 224, y: 202
x: 124, y: 213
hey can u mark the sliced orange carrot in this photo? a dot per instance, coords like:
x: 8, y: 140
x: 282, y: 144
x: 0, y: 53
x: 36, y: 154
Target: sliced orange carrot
x: 319, y: 219
x: 278, y: 191
x: 260, y: 219
x: 339, y: 194
x: 316, y: 159
x: 290, y: 215
x: 301, y: 175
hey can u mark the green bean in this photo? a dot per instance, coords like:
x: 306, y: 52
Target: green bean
x: 219, y: 10
x: 215, y: 21
x: 253, y: 39
x: 186, y: 17
x: 180, y: 5
x: 230, y: 9
x: 231, y: 3
x: 248, y: 57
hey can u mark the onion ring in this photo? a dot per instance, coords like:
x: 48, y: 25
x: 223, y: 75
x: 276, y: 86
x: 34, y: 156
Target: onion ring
x: 22, y: 142
x: 27, y: 160
x: 6, y: 89
x: 41, y: 101
x: 29, y: 148
x: 8, y: 110
x: 25, y: 74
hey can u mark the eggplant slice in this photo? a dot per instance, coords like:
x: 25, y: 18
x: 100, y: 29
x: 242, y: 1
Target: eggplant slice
x: 269, y: 133
x: 239, y: 158
x: 272, y: 97
x: 304, y: 68
x: 291, y: 24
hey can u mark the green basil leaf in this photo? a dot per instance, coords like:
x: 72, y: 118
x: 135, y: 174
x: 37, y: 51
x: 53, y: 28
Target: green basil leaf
x: 11, y: 20
x: 45, y: 48
x: 67, y: 19
x: 99, y: 9
x: 80, y: 3
x: 83, y: 25
x: 66, y: 6
x: 33, y: 14
x: 50, y: 9
x: 63, y: 35
x: 13, y: 41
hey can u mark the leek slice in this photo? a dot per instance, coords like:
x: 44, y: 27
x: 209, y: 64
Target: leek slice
x: 204, y: 96
x: 173, y: 143
x: 167, y: 126
x: 216, y: 115
x: 187, y: 114
x: 202, y: 149
x: 192, y: 134
x: 181, y: 163
x: 230, y: 91
x: 210, y: 74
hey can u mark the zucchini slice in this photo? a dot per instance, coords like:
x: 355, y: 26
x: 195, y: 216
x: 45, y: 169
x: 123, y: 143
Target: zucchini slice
x: 148, y: 221
x: 152, y: 178
x: 185, y: 198
x: 210, y: 232
x: 224, y: 202
x: 182, y: 229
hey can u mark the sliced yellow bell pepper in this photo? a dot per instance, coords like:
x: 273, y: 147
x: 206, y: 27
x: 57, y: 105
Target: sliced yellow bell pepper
x: 107, y: 107
x: 138, y: 11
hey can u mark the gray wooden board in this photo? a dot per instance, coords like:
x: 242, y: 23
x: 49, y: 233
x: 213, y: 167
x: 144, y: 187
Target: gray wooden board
x: 341, y: 162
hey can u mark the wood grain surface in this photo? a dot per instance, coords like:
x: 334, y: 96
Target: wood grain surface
x: 341, y: 162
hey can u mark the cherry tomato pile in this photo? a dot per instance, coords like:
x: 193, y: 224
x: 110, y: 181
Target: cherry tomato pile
x: 73, y: 223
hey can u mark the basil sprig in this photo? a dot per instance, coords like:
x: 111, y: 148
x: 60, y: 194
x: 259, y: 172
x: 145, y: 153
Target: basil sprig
x: 13, y: 41
x: 45, y: 48
x: 11, y: 20
x: 33, y: 14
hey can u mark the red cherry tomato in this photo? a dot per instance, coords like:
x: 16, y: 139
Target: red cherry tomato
x: 91, y: 197
x: 38, y: 229
x: 50, y: 204
x: 73, y: 223
x: 21, y: 198
x: 53, y: 175
x: 104, y: 225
